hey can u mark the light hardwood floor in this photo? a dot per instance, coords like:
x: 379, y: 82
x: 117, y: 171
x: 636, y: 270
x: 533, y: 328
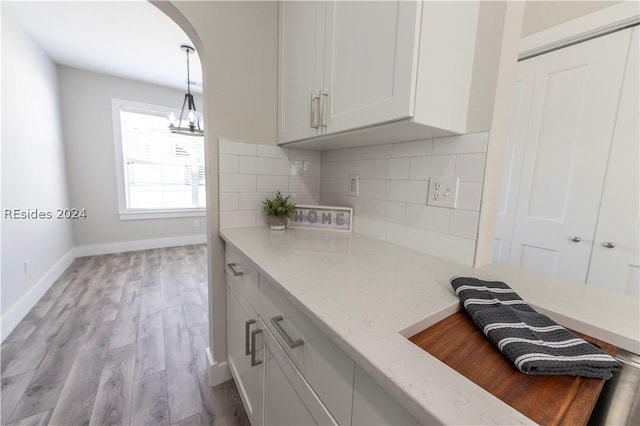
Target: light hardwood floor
x: 119, y: 339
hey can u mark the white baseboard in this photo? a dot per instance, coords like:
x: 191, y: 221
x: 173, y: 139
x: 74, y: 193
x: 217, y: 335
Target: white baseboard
x: 123, y: 246
x: 21, y: 308
x: 218, y: 371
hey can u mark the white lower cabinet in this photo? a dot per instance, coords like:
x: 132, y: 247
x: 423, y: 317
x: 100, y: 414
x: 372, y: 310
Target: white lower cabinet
x: 288, y: 372
x: 241, y: 322
x: 288, y: 398
x: 372, y: 406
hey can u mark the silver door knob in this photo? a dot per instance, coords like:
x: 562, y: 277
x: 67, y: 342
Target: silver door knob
x: 575, y: 239
x: 609, y: 244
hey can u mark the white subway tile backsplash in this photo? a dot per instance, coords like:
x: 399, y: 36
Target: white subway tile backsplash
x: 261, y: 218
x: 405, y: 236
x: 311, y: 199
x: 311, y: 169
x: 469, y: 196
x: 374, y: 188
x: 251, y: 200
x: 296, y: 168
x: 228, y: 163
x: 376, y: 151
x: 381, y: 169
x: 304, y: 184
x: 256, y: 165
x: 428, y: 217
x: 423, y: 168
x: 350, y: 154
x: 271, y: 151
x: 370, y: 227
x: 237, y: 219
x: 282, y: 167
x: 237, y: 183
x: 399, y: 168
x: 238, y: 148
x: 412, y: 149
x: 228, y: 201
x: 462, y: 144
x: 389, y: 211
x: 366, y: 169
x: 328, y: 185
x: 331, y: 155
x: 470, y: 167
x: 304, y: 155
x: 409, y: 191
x: 450, y: 247
x: 272, y: 184
x: 464, y: 223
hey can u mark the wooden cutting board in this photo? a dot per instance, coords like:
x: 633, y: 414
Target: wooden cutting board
x: 547, y: 400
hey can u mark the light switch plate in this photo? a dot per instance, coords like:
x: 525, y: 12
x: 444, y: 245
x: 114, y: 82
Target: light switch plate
x: 443, y: 192
x: 354, y: 185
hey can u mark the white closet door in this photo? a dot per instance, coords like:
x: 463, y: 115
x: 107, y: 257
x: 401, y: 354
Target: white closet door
x: 618, y: 268
x: 519, y: 119
x: 571, y: 121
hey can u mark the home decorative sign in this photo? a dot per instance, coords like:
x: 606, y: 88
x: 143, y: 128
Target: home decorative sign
x: 322, y: 217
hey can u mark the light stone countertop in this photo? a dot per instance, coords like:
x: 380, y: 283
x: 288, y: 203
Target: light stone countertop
x: 368, y: 296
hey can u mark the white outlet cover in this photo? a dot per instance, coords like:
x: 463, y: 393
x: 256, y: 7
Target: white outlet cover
x: 354, y: 185
x: 443, y: 192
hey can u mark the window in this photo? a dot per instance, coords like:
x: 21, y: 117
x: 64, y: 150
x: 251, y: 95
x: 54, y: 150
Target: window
x: 160, y: 174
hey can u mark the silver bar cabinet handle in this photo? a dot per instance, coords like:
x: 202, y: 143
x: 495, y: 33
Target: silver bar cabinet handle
x: 609, y: 244
x: 314, y: 112
x: 254, y: 361
x: 232, y: 266
x: 575, y: 239
x: 323, y: 119
x: 290, y: 342
x: 247, y: 326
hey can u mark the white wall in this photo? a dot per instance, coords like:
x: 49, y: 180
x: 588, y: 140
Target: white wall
x: 540, y: 15
x: 91, y: 171
x: 33, y: 175
x: 237, y: 44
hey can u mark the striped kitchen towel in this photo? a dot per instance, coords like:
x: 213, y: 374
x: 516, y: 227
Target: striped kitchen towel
x: 533, y: 342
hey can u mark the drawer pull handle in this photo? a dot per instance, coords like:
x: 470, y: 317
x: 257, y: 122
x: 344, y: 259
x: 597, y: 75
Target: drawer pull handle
x: 290, y: 342
x: 247, y: 326
x: 233, y: 269
x: 254, y: 361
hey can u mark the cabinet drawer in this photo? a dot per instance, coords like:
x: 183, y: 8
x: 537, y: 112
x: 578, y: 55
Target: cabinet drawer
x: 288, y: 398
x: 242, y: 276
x: 327, y: 369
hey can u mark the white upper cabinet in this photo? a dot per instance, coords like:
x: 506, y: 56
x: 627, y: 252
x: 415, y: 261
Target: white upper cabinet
x: 354, y: 72
x: 368, y: 67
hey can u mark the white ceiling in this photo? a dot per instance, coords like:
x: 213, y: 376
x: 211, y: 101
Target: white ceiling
x: 131, y: 39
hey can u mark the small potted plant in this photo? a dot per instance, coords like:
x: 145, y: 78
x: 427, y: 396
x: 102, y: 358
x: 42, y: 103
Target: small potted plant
x: 279, y: 209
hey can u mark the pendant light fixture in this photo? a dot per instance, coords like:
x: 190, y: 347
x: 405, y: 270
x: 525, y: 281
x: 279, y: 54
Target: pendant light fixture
x: 189, y: 122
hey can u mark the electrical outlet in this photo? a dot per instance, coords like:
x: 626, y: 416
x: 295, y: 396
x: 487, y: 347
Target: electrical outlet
x: 26, y: 267
x: 196, y: 223
x: 443, y: 192
x: 354, y: 185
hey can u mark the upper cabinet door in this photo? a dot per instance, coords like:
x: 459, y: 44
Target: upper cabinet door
x: 370, y: 62
x: 301, y: 57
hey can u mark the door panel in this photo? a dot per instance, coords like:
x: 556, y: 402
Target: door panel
x: 520, y: 107
x: 571, y: 121
x: 617, y: 268
x: 370, y: 63
x: 301, y: 55
x: 248, y: 378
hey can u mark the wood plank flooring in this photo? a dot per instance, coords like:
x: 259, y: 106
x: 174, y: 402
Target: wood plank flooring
x: 119, y: 339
